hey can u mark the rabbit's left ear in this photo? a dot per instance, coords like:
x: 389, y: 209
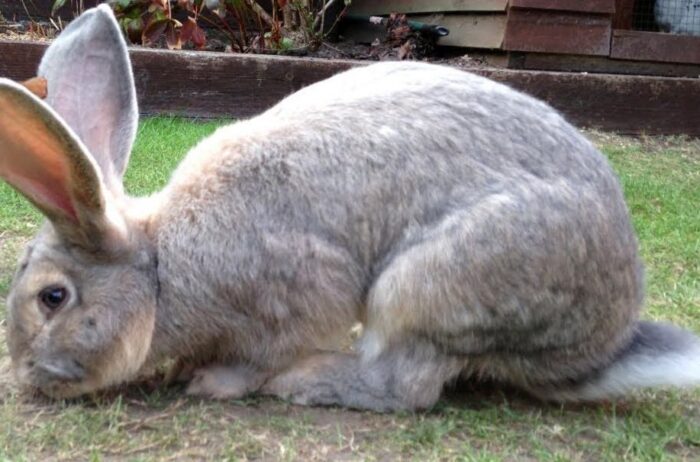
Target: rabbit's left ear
x: 44, y: 160
x: 91, y: 86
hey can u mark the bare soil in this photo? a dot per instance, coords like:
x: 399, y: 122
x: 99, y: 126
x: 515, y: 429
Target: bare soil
x: 394, y: 46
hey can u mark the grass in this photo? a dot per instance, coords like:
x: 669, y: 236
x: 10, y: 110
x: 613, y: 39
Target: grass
x: 663, y: 193
x: 661, y: 178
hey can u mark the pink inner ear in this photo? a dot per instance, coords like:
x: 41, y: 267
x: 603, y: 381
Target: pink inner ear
x: 40, y: 194
x: 34, y: 159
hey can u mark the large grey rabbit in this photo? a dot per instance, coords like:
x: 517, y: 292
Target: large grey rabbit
x: 468, y: 227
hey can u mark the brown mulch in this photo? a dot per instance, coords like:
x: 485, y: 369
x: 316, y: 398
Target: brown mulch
x: 399, y: 43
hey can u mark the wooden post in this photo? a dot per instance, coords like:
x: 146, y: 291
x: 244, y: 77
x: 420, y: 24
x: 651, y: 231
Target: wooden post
x: 622, y: 19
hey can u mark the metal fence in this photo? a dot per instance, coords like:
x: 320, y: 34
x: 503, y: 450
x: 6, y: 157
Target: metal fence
x: 673, y: 16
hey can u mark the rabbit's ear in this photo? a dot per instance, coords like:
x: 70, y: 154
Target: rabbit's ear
x: 91, y: 86
x: 44, y: 160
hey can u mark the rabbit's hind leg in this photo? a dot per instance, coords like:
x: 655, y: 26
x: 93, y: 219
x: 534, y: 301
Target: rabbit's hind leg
x: 434, y: 306
x: 406, y: 377
x: 464, y: 276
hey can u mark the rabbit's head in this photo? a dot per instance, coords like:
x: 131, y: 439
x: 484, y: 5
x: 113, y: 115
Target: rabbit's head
x: 82, y: 304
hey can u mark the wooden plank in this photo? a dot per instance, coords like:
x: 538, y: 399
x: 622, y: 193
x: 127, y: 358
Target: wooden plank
x: 598, y: 64
x: 488, y: 58
x: 485, y: 31
x: 620, y: 103
x: 197, y: 84
x: 373, y: 7
x: 584, y: 6
x: 20, y: 59
x: 557, y: 32
x: 200, y: 84
x: 624, y: 14
x: 655, y: 46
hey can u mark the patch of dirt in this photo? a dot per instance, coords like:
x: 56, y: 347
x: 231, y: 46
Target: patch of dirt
x: 27, y: 31
x: 399, y: 43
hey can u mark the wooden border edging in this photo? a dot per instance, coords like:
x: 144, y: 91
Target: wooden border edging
x: 202, y: 84
x: 621, y: 103
x: 197, y: 83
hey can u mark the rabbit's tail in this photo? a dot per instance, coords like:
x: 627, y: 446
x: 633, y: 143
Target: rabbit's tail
x: 659, y: 355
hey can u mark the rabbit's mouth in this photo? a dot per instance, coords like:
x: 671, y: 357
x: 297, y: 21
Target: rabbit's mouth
x: 59, y: 370
x: 56, y: 378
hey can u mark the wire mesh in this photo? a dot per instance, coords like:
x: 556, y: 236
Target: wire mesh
x: 643, y: 16
x: 673, y: 16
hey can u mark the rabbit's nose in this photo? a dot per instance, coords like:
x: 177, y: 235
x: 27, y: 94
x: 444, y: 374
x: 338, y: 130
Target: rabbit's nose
x: 61, y: 369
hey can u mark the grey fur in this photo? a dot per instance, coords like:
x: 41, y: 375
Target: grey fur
x: 91, y: 86
x: 659, y: 354
x: 469, y: 227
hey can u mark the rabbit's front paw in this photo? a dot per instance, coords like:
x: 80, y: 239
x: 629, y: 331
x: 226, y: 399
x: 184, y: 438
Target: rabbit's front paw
x: 225, y: 382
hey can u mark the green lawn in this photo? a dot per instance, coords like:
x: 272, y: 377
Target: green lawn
x: 661, y: 177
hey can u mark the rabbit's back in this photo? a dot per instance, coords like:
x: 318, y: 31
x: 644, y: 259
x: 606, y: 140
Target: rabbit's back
x: 378, y: 160
x: 391, y: 146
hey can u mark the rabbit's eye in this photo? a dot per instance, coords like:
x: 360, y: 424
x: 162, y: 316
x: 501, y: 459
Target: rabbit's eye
x: 53, y: 298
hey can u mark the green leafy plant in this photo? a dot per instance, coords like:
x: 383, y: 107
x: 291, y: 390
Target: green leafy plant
x: 289, y: 25
x: 310, y: 18
x: 146, y: 21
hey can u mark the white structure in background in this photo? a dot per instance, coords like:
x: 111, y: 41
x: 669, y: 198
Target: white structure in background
x: 678, y: 16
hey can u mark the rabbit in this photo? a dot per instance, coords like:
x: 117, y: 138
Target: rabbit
x: 678, y: 16
x: 468, y: 227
